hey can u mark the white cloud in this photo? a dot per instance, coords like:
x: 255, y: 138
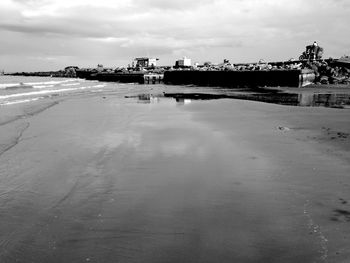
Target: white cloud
x: 110, y: 30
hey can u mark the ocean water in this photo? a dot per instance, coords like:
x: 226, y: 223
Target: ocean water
x: 19, y: 89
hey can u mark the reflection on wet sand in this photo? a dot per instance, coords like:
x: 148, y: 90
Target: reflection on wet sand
x: 147, y: 98
x: 291, y: 99
x: 183, y: 101
x: 325, y: 100
x: 305, y: 99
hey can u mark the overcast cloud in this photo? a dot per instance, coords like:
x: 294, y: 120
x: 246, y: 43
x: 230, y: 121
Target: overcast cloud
x: 51, y: 34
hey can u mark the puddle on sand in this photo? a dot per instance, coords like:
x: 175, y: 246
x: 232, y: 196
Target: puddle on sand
x: 310, y: 100
x: 306, y: 100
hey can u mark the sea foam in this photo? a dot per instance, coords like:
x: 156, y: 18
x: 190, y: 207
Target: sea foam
x: 26, y: 94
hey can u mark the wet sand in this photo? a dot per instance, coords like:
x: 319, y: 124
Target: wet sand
x: 97, y: 179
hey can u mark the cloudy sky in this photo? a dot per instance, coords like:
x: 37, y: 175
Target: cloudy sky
x: 51, y: 34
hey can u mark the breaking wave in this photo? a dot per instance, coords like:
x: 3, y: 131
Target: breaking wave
x: 41, y: 92
x: 20, y: 101
x: 43, y: 84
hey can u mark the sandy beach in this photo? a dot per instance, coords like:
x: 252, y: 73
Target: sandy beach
x: 102, y: 178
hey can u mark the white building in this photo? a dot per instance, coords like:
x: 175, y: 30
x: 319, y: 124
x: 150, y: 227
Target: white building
x: 184, y: 62
x: 145, y: 62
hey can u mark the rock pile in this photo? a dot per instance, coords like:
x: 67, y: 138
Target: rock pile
x: 329, y: 73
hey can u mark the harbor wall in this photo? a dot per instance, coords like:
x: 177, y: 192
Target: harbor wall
x: 121, y: 77
x: 272, y: 78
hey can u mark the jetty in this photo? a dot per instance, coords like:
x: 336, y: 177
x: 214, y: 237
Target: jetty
x: 245, y: 78
x: 140, y: 77
x: 153, y: 78
x: 128, y: 77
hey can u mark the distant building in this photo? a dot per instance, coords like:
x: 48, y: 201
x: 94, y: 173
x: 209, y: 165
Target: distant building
x: 184, y: 62
x: 145, y: 62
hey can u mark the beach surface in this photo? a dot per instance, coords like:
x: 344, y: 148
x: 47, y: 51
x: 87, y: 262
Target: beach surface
x: 102, y: 178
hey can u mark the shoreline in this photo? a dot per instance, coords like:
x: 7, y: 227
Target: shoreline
x: 221, y: 179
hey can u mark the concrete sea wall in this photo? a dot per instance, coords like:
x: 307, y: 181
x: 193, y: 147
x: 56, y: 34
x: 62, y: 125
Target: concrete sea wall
x: 273, y: 78
x: 121, y: 77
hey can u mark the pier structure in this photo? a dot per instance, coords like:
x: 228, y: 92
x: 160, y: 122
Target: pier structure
x: 129, y: 77
x: 153, y: 78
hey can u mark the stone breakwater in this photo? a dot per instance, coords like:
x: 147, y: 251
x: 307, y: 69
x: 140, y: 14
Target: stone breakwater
x: 287, y: 78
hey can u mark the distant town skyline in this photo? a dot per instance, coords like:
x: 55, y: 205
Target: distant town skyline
x: 52, y: 34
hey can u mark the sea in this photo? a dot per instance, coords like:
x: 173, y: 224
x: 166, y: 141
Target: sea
x: 20, y: 89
